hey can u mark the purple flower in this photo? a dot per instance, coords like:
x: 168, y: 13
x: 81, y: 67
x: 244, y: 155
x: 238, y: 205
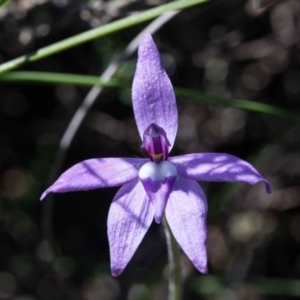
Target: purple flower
x: 158, y: 185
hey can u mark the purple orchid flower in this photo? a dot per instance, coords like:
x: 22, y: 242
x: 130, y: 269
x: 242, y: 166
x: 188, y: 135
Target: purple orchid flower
x: 158, y: 185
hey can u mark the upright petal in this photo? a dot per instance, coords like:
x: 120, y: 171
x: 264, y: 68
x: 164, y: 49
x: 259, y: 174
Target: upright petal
x: 129, y: 218
x: 152, y: 92
x: 96, y: 173
x: 186, y: 215
x: 217, y: 167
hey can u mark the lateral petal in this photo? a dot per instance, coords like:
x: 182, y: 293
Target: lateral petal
x: 153, y: 96
x: 96, y: 173
x: 186, y: 215
x: 130, y: 216
x: 217, y: 167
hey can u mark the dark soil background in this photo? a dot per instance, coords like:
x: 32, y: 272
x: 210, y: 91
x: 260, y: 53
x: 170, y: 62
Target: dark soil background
x: 231, y: 49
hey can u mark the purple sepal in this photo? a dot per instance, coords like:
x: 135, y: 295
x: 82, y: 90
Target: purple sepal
x: 186, y: 215
x: 130, y: 215
x: 96, y: 173
x: 217, y: 167
x: 153, y: 97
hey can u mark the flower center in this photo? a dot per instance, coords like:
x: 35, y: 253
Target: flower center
x: 158, y: 180
x: 156, y: 143
x: 157, y: 172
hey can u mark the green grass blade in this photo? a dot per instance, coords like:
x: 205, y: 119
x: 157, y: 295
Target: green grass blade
x: 97, y: 33
x: 4, y: 2
x: 88, y: 81
x: 238, y: 103
x: 57, y: 78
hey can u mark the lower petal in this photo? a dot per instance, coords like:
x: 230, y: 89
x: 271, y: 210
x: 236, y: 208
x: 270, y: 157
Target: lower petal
x: 158, y: 193
x: 158, y: 180
x: 186, y: 215
x: 130, y: 216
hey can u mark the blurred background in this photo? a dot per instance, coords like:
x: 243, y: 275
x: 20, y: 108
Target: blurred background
x: 224, y: 48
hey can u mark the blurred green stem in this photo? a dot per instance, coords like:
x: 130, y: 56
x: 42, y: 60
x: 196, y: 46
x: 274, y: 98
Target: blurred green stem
x: 97, y: 32
x: 174, y: 264
x: 238, y: 103
x: 88, y: 81
x: 57, y: 78
x: 4, y: 2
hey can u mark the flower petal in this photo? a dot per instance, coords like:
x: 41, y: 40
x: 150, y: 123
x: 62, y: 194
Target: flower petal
x: 158, y: 180
x: 158, y: 193
x: 97, y: 173
x: 129, y: 218
x: 152, y: 92
x: 217, y: 167
x: 186, y: 215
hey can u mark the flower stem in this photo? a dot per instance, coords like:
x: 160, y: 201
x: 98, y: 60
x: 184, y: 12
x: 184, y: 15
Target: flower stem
x: 174, y: 264
x: 98, y: 32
